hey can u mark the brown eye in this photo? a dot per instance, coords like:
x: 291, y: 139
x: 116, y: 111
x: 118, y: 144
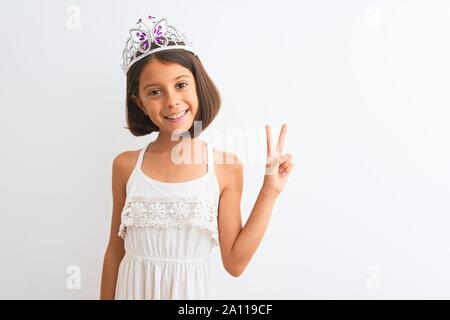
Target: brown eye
x: 151, y: 92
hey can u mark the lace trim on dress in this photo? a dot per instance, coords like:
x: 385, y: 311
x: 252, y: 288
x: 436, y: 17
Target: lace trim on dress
x: 167, y: 212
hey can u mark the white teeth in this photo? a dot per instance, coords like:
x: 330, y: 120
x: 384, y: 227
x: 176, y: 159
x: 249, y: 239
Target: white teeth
x: 177, y: 115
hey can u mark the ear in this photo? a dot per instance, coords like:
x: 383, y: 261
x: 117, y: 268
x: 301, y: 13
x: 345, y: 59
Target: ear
x: 139, y: 103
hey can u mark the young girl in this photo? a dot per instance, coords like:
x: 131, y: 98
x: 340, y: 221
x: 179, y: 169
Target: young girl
x: 168, y: 214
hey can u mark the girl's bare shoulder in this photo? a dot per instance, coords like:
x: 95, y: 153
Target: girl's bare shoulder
x: 227, y: 165
x: 125, y: 161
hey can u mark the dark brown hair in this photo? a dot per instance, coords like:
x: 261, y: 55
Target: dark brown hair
x: 209, y: 99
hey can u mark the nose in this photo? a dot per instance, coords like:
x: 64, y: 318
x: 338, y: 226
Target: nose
x: 173, y: 100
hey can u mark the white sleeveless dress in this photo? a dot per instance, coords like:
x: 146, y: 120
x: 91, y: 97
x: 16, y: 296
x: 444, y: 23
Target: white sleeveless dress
x: 169, y: 230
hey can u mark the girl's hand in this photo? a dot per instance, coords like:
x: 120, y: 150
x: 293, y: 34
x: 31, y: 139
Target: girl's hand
x: 278, y: 166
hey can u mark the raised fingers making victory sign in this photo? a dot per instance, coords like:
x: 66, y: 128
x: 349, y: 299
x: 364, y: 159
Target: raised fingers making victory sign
x: 278, y: 165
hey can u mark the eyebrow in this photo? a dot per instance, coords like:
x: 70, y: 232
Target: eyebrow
x: 154, y: 84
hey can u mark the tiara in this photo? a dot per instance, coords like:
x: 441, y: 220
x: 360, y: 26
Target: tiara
x: 144, y: 41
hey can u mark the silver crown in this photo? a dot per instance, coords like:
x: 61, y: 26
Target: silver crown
x: 144, y: 41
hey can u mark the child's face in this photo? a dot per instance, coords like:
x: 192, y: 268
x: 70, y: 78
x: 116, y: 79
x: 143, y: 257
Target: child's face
x: 161, y: 94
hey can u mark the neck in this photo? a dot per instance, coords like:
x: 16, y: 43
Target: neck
x: 164, y: 143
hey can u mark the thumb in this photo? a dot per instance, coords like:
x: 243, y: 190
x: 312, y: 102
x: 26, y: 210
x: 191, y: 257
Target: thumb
x: 285, y: 157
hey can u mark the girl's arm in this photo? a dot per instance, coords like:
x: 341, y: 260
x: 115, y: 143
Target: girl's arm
x: 115, y: 250
x: 238, y: 244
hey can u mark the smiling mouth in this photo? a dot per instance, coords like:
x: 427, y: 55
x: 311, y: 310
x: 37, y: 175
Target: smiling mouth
x: 177, y: 116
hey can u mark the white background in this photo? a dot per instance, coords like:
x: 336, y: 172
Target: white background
x: 362, y: 85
